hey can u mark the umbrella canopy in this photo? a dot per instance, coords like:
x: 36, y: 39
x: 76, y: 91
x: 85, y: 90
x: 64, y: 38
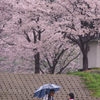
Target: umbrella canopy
x: 40, y: 92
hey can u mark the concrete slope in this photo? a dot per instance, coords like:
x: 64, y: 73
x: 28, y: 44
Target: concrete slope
x: 23, y: 86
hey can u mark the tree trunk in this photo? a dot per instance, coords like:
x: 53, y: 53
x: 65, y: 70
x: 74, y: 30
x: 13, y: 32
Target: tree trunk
x: 85, y: 57
x: 85, y: 63
x: 51, y: 70
x: 37, y: 64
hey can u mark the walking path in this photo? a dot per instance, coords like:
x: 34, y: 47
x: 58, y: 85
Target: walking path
x: 22, y: 86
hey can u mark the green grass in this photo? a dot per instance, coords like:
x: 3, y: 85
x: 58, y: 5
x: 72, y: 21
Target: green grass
x: 92, y: 81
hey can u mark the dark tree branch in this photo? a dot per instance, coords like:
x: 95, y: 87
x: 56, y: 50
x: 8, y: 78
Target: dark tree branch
x: 60, y: 46
x: 67, y: 65
x: 34, y: 30
x: 91, y: 37
x: 39, y: 34
x: 71, y: 2
x: 35, y: 36
x: 41, y: 71
x: 48, y: 62
x: 68, y: 56
x: 73, y: 40
x: 87, y: 4
x: 8, y: 42
x: 20, y: 21
x: 36, y: 20
x: 71, y: 27
x: 80, y: 38
x: 55, y: 61
x: 27, y: 37
x: 43, y: 30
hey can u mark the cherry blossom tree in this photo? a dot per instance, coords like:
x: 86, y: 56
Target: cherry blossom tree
x: 57, y: 56
x: 77, y: 20
x: 30, y: 25
x: 18, y: 24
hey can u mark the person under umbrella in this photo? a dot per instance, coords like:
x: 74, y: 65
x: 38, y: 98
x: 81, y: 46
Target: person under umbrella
x: 49, y: 88
x: 50, y: 95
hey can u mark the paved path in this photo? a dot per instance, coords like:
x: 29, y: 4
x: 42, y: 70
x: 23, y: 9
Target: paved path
x: 22, y: 86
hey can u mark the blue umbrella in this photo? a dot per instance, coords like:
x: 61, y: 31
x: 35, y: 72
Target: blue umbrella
x: 40, y: 92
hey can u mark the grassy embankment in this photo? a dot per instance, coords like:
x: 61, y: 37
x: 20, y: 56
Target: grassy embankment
x: 92, y: 81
